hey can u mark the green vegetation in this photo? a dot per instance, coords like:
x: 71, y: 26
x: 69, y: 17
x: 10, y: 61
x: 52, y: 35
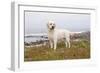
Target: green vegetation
x: 79, y: 50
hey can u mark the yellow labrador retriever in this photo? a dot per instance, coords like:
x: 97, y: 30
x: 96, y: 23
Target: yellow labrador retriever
x: 55, y: 35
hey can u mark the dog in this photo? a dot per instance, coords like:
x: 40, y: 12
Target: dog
x: 55, y: 35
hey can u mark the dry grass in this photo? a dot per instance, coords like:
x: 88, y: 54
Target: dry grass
x: 78, y: 50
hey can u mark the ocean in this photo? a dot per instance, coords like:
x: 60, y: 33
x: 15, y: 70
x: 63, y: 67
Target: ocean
x: 33, y: 39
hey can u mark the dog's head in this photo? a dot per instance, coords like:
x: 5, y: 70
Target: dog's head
x: 51, y: 25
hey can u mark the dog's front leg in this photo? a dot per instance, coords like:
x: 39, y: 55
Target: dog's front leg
x: 55, y: 43
x: 51, y: 44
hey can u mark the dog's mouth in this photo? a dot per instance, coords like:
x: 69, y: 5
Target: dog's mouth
x: 52, y: 27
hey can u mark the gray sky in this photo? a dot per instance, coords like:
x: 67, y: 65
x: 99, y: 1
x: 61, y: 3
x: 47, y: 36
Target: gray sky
x: 36, y: 22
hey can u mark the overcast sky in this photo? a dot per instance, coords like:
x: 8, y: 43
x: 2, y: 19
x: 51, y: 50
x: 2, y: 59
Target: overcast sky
x: 36, y: 22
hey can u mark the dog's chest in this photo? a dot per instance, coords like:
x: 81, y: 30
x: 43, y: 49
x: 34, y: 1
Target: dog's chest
x: 56, y: 35
x: 51, y: 36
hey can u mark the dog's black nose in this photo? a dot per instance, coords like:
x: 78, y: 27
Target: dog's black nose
x: 52, y: 27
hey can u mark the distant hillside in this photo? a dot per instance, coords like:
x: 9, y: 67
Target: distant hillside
x: 83, y: 35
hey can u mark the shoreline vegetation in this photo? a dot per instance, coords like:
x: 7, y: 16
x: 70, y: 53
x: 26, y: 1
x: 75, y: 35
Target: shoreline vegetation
x: 41, y: 51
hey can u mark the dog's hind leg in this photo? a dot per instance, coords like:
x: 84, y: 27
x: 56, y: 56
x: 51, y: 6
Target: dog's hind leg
x: 68, y: 40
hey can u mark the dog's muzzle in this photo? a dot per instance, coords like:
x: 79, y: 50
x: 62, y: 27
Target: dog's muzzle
x: 52, y: 27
